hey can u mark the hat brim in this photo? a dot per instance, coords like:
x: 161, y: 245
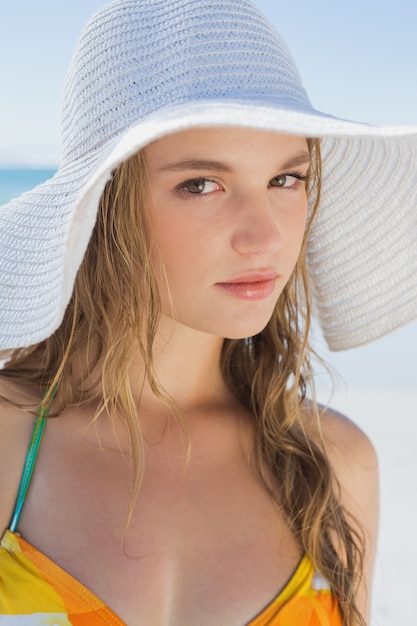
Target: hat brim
x: 361, y: 252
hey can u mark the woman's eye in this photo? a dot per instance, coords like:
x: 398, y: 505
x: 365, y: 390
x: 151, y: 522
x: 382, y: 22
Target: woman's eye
x: 287, y: 181
x: 200, y: 186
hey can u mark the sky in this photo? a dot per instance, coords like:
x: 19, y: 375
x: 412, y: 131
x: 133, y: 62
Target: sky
x: 357, y: 59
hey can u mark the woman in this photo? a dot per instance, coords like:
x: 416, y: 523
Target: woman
x: 155, y: 302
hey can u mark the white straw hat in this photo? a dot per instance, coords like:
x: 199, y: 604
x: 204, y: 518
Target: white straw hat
x: 145, y: 68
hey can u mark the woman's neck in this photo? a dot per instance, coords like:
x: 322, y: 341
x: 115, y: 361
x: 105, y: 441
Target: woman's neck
x: 187, y: 367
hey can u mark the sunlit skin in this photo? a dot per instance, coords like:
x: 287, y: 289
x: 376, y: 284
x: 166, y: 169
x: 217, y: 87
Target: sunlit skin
x: 228, y: 209
x: 205, y: 543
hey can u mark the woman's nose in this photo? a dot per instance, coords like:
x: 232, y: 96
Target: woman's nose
x: 257, y: 229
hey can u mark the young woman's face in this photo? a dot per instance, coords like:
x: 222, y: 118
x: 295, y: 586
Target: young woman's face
x: 228, y: 211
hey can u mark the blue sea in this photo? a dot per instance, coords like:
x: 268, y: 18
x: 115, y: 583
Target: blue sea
x: 14, y: 182
x: 390, y: 362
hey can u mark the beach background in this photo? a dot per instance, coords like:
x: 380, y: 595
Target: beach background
x: 358, y: 61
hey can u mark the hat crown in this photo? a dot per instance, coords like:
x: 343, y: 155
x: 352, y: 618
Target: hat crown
x: 135, y: 57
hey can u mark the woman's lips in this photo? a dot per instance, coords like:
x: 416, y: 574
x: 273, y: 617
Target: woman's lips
x: 250, y: 287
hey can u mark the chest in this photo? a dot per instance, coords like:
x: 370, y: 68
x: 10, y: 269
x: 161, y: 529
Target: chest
x: 204, y: 541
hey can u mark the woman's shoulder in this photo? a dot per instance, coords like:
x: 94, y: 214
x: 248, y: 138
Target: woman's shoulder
x: 348, y: 447
x: 354, y: 461
x: 16, y: 426
x: 350, y: 450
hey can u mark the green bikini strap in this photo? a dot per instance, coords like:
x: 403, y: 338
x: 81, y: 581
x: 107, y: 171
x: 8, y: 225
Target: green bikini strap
x: 30, y: 462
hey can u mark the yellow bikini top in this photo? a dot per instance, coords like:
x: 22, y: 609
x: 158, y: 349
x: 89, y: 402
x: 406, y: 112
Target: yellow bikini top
x: 35, y: 591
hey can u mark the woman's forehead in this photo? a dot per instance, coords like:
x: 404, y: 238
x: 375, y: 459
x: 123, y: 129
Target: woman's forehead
x: 219, y: 147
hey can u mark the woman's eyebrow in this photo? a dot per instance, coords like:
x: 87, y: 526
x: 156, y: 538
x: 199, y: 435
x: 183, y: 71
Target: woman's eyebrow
x: 300, y: 159
x: 221, y: 166
x: 197, y: 164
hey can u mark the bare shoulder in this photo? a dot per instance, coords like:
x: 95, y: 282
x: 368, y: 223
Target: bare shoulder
x: 355, y: 465
x: 15, y: 431
x: 350, y: 451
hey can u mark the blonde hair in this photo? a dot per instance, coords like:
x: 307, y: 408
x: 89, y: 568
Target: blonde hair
x: 268, y: 373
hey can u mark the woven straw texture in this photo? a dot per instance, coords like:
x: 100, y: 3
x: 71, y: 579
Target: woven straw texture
x: 145, y: 68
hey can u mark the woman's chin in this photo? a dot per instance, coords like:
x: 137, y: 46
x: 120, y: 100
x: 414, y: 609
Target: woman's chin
x: 243, y: 331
